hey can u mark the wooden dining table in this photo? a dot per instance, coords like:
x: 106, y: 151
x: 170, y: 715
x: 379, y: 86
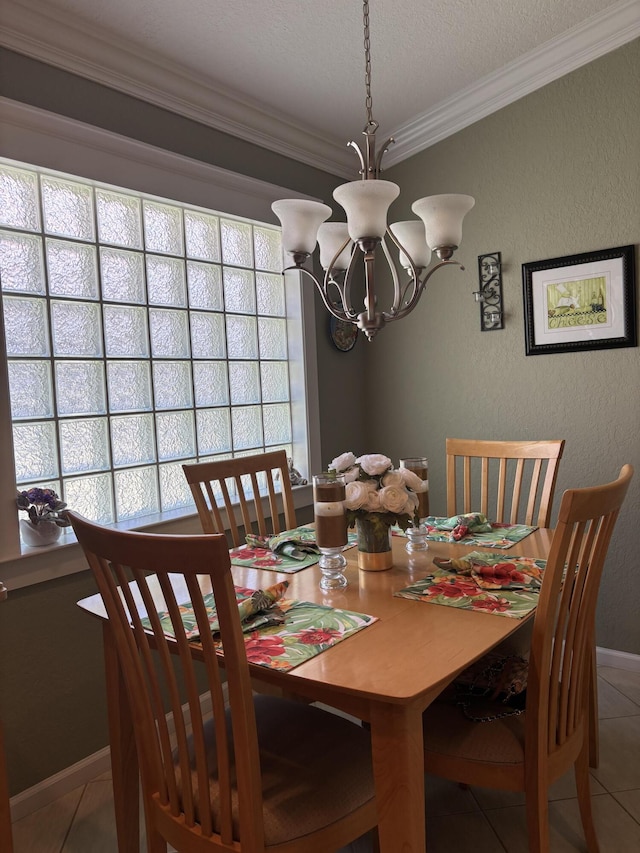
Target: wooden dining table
x: 386, y: 675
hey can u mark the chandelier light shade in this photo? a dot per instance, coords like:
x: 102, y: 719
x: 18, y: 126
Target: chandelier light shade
x: 365, y: 234
x: 332, y: 236
x: 411, y: 234
x: 300, y: 222
x: 442, y: 216
x: 366, y: 204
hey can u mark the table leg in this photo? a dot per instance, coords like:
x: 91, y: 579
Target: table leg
x: 124, y: 758
x: 398, y: 768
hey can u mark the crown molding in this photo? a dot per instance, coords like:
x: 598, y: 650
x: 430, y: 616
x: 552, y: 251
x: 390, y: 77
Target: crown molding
x: 42, y: 138
x: 64, y: 42
x: 584, y: 43
x: 84, y: 50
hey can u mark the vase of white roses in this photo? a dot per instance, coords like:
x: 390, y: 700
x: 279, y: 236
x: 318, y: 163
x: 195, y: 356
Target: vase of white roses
x: 377, y: 497
x: 45, y: 522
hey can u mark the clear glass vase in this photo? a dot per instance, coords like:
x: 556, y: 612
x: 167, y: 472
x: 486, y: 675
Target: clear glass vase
x: 331, y: 528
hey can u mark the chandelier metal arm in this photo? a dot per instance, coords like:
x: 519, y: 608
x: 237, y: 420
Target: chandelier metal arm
x: 349, y: 313
x: 322, y: 290
x: 398, y: 291
x: 400, y: 294
x: 408, y: 308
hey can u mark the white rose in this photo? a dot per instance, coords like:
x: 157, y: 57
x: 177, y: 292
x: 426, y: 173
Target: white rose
x: 351, y: 475
x: 412, y: 481
x: 357, y: 494
x: 342, y: 462
x: 373, y: 502
x: 412, y: 503
x: 393, y: 499
x: 393, y: 478
x: 374, y: 464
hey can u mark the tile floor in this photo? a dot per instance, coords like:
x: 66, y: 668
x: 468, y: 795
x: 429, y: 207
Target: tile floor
x: 458, y: 821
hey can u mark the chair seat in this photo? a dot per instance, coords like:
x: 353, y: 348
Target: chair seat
x: 448, y: 732
x: 316, y: 768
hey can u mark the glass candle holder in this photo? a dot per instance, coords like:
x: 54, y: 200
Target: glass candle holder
x: 331, y: 528
x: 417, y: 534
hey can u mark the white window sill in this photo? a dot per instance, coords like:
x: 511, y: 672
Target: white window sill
x: 48, y: 562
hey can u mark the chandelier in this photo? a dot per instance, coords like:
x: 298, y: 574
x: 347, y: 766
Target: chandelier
x: 366, y: 203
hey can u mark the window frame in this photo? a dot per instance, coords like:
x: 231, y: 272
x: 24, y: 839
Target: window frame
x: 45, y: 140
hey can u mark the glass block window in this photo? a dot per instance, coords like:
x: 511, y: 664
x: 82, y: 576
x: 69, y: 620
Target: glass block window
x: 141, y: 334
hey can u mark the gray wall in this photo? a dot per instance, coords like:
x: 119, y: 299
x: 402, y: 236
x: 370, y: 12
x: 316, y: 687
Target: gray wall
x: 554, y: 174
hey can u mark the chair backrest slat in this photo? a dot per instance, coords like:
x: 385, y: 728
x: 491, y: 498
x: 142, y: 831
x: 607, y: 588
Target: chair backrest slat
x: 235, y: 486
x: 562, y: 639
x: 497, y: 477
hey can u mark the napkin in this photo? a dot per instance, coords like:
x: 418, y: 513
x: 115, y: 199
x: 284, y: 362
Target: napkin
x: 488, y: 571
x: 462, y: 525
x: 297, y: 543
x: 259, y: 602
x: 256, y: 611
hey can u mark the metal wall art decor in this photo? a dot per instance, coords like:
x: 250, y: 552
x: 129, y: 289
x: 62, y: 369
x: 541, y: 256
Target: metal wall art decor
x: 489, y: 296
x: 580, y: 302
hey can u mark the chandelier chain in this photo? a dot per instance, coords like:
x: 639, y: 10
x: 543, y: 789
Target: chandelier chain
x: 367, y: 62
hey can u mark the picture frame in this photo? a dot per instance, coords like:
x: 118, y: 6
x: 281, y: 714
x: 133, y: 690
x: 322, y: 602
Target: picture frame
x: 580, y: 302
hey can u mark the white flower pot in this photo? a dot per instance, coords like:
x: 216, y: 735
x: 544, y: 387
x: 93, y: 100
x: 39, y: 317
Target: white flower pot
x: 44, y: 533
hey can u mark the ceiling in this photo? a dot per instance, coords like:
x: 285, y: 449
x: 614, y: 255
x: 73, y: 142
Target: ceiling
x: 289, y: 74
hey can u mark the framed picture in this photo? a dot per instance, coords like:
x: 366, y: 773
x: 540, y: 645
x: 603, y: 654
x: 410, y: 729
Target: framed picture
x: 580, y: 302
x: 343, y: 334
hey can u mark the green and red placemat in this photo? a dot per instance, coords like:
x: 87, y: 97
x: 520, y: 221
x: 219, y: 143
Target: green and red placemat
x: 302, y: 630
x: 473, y: 529
x: 286, y: 552
x: 488, y: 583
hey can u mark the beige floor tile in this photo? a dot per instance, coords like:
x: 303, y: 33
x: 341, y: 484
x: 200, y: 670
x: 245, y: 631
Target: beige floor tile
x: 630, y: 800
x: 94, y: 824
x: 624, y: 680
x: 563, y: 789
x: 445, y: 798
x: 461, y: 833
x: 619, y: 768
x: 617, y: 831
x: 613, y: 703
x: 45, y: 830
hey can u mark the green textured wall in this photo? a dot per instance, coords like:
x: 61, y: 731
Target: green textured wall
x: 557, y: 173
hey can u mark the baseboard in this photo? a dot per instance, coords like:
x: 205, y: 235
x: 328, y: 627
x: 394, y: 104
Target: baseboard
x: 47, y: 791
x: 618, y: 660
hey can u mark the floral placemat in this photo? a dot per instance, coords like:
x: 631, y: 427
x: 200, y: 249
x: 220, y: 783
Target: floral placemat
x: 482, y: 582
x: 288, y: 552
x: 306, y: 630
x: 243, y: 597
x: 500, y: 535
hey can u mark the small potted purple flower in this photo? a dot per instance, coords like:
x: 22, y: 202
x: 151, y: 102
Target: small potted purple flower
x: 46, y: 516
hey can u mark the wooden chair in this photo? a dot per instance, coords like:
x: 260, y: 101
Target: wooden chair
x: 528, y: 752
x: 267, y: 774
x: 514, y: 465
x: 235, y: 486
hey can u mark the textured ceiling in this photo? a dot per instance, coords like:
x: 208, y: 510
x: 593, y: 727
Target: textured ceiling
x: 299, y: 65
